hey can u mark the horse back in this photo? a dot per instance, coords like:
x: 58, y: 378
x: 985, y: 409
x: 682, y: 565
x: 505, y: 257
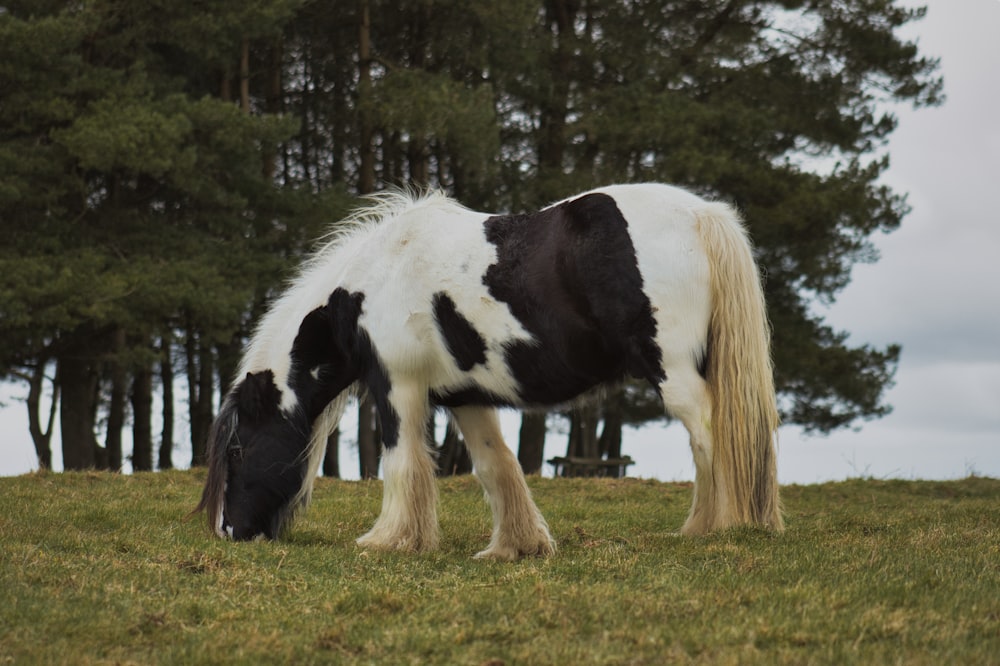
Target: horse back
x: 524, y: 310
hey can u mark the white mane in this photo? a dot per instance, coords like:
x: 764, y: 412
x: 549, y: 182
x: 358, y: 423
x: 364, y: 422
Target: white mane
x: 270, y: 342
x: 378, y: 207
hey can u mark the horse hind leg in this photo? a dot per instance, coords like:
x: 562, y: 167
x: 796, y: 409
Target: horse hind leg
x: 519, y: 529
x: 686, y: 397
x: 408, y: 521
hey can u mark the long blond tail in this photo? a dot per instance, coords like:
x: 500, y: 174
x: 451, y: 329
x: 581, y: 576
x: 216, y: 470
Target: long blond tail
x: 740, y: 377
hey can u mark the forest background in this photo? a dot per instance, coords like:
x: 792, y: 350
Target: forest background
x: 165, y: 171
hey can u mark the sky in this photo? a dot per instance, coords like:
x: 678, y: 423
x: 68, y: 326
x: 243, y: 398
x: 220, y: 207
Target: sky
x: 935, y: 290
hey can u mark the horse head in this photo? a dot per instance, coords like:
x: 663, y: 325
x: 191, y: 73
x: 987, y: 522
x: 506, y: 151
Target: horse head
x: 259, y: 447
x: 256, y: 461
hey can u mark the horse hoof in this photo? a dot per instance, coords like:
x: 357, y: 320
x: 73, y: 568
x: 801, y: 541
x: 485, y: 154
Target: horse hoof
x: 543, y: 548
x: 405, y: 544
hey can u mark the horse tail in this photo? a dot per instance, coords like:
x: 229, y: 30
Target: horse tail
x: 740, y: 377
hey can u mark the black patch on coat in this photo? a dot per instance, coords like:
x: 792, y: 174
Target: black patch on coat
x: 464, y: 342
x: 353, y: 347
x: 469, y: 395
x: 376, y: 379
x: 317, y: 372
x: 570, y: 275
x: 326, y: 356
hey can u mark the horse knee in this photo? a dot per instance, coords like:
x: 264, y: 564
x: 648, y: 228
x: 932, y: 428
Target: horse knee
x: 686, y: 398
x: 480, y: 428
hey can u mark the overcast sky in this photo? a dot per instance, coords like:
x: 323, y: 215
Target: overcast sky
x: 935, y: 290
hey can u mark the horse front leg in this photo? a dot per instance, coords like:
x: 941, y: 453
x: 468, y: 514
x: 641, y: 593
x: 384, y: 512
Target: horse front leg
x: 408, y: 520
x: 518, y: 526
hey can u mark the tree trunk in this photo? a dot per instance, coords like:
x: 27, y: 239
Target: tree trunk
x: 78, y: 381
x: 366, y: 175
x: 392, y: 158
x: 142, y: 417
x: 342, y: 90
x: 42, y: 439
x: 418, y: 159
x: 228, y: 360
x: 272, y: 103
x: 116, y: 408
x: 610, y: 443
x: 191, y: 372
x: 206, y: 382
x: 165, y: 459
x: 331, y: 461
x: 226, y: 85
x: 453, y: 456
x: 245, y: 76
x: 583, y: 432
x: 307, y: 127
x: 368, y: 439
x: 531, y: 445
x: 199, y: 395
x: 560, y: 16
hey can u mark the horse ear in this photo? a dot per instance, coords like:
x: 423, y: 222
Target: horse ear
x: 343, y: 310
x: 257, y: 397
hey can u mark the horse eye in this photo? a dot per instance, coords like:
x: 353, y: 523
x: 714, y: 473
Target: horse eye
x: 236, y: 454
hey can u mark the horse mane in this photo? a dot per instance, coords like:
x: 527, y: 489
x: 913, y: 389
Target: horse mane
x: 222, y: 431
x: 322, y: 428
x: 326, y: 259
x: 375, y: 209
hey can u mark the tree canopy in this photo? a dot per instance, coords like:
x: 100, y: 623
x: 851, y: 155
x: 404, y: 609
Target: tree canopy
x: 164, y: 167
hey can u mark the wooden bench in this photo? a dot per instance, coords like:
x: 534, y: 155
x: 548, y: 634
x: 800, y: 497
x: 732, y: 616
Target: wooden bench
x: 615, y: 468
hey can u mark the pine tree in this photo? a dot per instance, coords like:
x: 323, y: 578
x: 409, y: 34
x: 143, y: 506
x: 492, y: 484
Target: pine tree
x: 131, y: 196
x: 163, y: 171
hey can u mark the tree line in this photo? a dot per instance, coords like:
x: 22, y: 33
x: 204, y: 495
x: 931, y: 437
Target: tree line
x: 165, y: 167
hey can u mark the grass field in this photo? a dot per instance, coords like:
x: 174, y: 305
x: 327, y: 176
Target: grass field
x: 98, y: 568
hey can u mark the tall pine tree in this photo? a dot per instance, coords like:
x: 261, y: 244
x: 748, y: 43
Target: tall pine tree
x: 163, y: 170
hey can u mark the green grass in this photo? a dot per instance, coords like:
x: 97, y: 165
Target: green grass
x: 96, y: 568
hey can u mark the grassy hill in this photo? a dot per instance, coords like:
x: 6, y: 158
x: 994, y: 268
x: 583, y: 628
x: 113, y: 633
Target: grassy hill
x: 98, y: 568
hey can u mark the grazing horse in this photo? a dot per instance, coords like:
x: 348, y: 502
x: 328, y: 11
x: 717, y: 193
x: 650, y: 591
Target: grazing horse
x: 423, y: 303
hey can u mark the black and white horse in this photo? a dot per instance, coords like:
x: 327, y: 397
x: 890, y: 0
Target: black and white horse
x: 423, y: 303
